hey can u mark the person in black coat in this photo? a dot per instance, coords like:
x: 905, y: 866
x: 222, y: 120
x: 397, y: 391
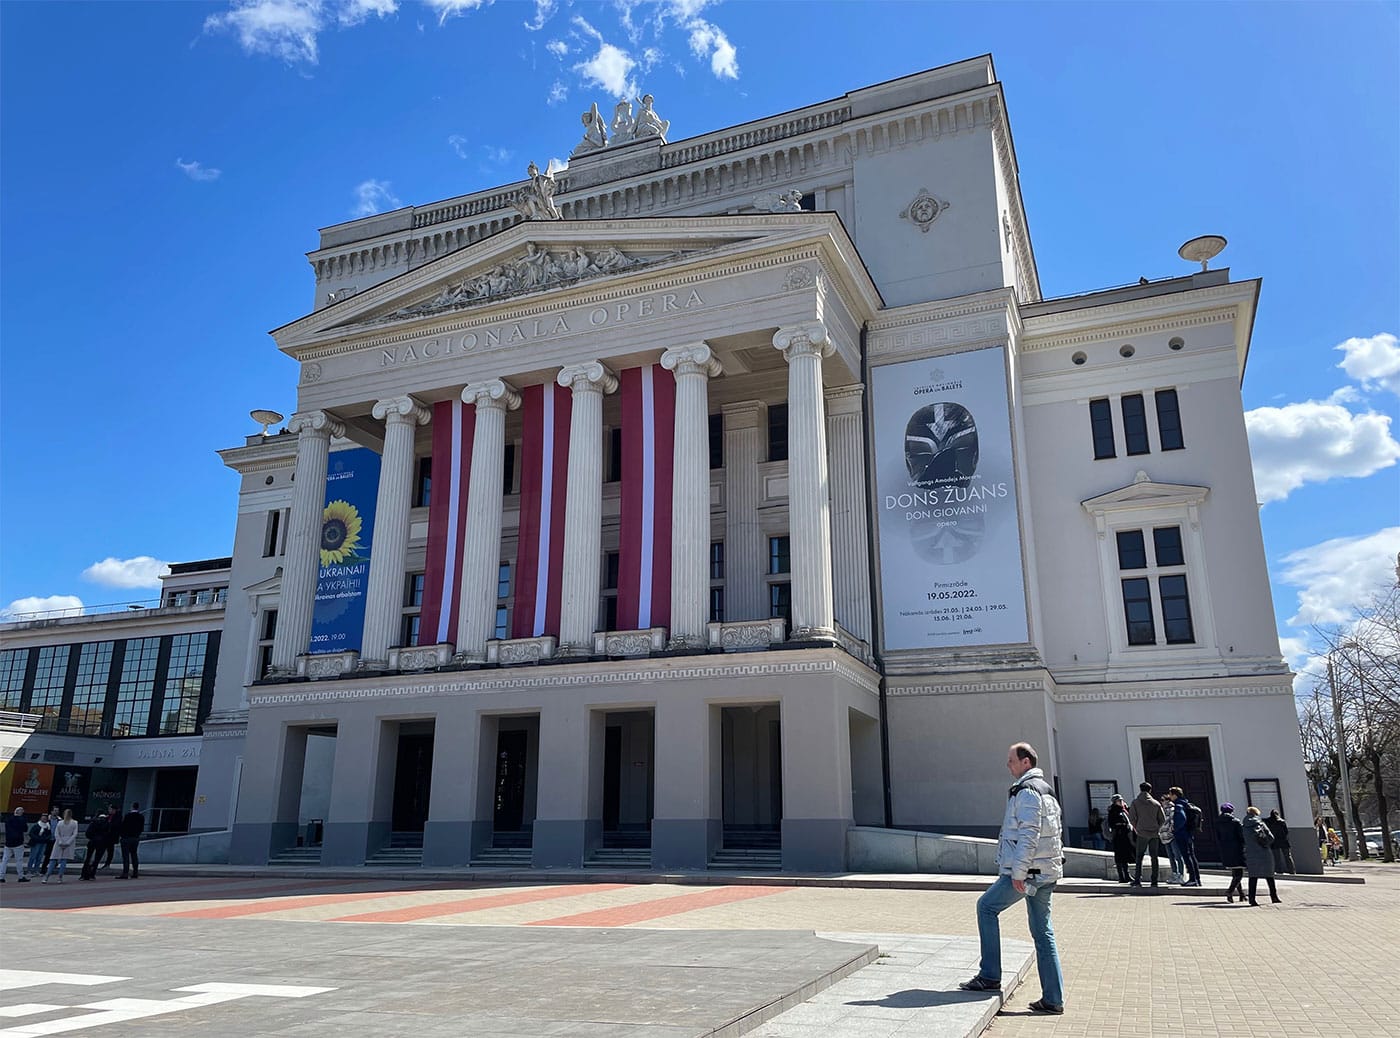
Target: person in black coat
x: 1121, y: 831
x: 1229, y: 835
x: 132, y: 827
x: 1283, y: 852
x: 96, y: 834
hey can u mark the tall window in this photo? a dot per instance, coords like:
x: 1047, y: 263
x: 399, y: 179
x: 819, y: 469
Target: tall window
x: 1169, y: 420
x: 46, y: 698
x: 1135, y: 424
x: 612, y: 571
x: 780, y: 601
x: 777, y: 432
x: 716, y: 581
x: 1101, y: 423
x: 502, y: 600
x: 717, y: 441
x: 716, y: 560
x: 508, y: 475
x: 423, y: 485
x: 412, y: 609
x: 138, y: 682
x: 1165, y: 571
x: 614, y: 469
x: 13, y: 663
x: 179, y: 711
x: 267, y: 633
x: 716, y: 605
x: 271, y: 532
x: 778, y: 555
x: 90, y: 691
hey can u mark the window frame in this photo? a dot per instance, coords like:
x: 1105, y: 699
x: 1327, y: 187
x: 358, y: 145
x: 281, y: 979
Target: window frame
x: 1171, y: 436
x: 1137, y: 439
x: 1101, y: 423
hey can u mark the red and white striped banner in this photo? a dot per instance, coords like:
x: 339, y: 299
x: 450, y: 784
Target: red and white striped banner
x: 648, y: 459
x: 454, y: 426
x: 544, y: 472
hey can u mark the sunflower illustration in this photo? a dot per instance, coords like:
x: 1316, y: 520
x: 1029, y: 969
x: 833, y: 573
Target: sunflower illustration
x: 340, y: 532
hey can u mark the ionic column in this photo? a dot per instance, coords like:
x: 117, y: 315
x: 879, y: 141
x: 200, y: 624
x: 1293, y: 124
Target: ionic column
x: 745, y: 559
x: 583, y: 512
x: 476, y: 618
x: 809, y: 522
x: 314, y: 430
x: 850, y: 553
x: 384, y: 596
x: 694, y: 366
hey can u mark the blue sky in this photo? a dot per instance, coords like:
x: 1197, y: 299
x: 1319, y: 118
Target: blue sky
x: 166, y: 166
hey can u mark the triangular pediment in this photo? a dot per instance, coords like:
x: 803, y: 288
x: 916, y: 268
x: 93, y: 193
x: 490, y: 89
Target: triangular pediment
x: 1142, y: 492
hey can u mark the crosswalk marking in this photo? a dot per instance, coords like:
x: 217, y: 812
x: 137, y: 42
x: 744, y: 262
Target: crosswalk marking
x: 10, y: 980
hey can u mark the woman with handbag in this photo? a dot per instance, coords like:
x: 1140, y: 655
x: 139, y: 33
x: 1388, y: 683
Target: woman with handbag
x: 1258, y: 855
x: 1229, y: 835
x: 1121, y: 831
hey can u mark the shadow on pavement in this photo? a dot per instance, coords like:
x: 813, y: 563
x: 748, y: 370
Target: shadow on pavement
x: 919, y: 998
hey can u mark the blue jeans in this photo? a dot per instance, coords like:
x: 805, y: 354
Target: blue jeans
x: 1187, y: 849
x: 36, y: 857
x: 997, y: 898
x: 1178, y: 862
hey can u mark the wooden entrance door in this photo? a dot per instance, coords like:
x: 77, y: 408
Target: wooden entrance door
x: 413, y: 775
x: 1186, y: 763
x: 510, y: 782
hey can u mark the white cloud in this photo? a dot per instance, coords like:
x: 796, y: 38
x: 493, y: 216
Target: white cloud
x: 458, y: 144
x: 687, y: 9
x: 497, y: 155
x: 609, y: 69
x: 556, y: 165
x: 446, y: 9
x: 288, y: 29
x: 374, y: 196
x: 353, y: 12
x: 1295, y: 650
x: 544, y: 11
x: 1374, y: 362
x: 650, y: 57
x: 1314, y: 441
x: 1335, y: 577
x: 709, y: 40
x: 557, y: 47
x: 558, y: 92
x: 141, y: 571
x: 195, y: 171
x: 45, y: 608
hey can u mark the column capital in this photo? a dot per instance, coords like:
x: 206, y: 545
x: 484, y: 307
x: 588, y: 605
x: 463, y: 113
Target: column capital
x: 694, y: 359
x: 845, y: 399
x: 800, y: 340
x: 492, y: 393
x: 316, y: 423
x: 589, y: 377
x: 401, y: 409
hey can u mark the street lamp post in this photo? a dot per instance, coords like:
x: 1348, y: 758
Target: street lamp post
x: 1341, y: 761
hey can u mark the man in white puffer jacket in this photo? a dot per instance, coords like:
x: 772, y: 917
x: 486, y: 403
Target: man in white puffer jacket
x: 1030, y: 860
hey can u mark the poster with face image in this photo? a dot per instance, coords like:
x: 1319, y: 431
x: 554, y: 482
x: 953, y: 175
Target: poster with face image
x: 950, y: 542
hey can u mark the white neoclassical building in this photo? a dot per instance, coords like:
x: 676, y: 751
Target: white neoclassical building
x: 710, y: 498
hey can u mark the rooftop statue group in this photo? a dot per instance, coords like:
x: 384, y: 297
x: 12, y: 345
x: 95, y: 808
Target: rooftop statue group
x: 627, y: 126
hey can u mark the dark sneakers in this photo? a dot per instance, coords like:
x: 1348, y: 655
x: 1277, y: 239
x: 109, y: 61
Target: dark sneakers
x: 1042, y: 1006
x: 980, y: 984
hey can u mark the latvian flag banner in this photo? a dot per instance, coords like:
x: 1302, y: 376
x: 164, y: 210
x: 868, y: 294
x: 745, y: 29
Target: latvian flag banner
x: 544, y: 470
x: 648, y: 437
x: 454, y: 425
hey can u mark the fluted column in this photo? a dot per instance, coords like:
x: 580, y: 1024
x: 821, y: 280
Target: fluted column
x: 476, y: 618
x: 694, y: 366
x: 850, y: 553
x: 314, y: 430
x: 745, y: 557
x: 583, y: 510
x: 384, y: 597
x: 809, y: 522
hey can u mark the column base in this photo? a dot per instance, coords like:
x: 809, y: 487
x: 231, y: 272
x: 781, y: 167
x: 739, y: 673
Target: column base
x: 447, y: 844
x: 253, y: 843
x: 813, y: 634
x: 815, y: 844
x: 684, y: 843
x: 564, y: 843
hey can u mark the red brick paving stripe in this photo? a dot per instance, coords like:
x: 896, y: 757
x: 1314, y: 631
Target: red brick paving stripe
x: 477, y: 904
x: 283, y: 905
x: 238, y: 889
x: 660, y: 907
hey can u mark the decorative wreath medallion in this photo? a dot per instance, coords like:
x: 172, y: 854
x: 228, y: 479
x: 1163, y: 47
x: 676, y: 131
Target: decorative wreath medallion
x: 923, y: 210
x: 310, y: 372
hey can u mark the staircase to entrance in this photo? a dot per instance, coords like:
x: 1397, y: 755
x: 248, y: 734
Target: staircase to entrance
x: 749, y: 850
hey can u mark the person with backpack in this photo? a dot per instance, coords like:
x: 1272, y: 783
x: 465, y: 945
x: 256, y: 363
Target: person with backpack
x: 1120, y: 831
x: 1259, y: 856
x: 1030, y: 860
x: 1168, y: 838
x: 1187, y: 823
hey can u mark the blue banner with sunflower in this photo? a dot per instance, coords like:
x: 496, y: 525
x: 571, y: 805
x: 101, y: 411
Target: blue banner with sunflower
x: 347, y: 531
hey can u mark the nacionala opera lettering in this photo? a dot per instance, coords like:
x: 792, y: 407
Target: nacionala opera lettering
x: 496, y: 336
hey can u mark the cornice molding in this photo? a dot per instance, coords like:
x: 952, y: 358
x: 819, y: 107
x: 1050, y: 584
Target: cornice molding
x: 1123, y: 694
x: 1125, y: 330
x: 963, y: 688
x: 1011, y: 177
x: 1041, y: 325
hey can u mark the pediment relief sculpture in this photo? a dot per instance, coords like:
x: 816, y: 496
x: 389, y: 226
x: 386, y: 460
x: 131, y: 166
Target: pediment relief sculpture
x: 534, y: 269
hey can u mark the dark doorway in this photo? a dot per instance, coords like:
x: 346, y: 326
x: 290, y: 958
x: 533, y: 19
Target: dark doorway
x: 612, y: 777
x: 413, y: 774
x: 173, y: 800
x: 775, y: 764
x: 1186, y: 763
x: 510, y: 782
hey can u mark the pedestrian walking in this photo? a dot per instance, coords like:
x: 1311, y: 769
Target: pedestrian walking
x: 96, y: 836
x: 40, y: 836
x: 1186, y: 824
x: 1229, y: 834
x: 1030, y: 860
x: 114, y: 831
x: 1147, y: 818
x: 1121, y: 831
x: 1167, y: 835
x: 65, y: 845
x: 1095, y: 829
x: 133, y: 825
x: 1283, y: 852
x: 1258, y: 855
x: 15, y: 825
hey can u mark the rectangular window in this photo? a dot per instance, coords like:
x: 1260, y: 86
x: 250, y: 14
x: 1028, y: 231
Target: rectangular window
x: 13, y: 663
x: 409, y: 628
x: 1101, y: 423
x: 274, y: 525
x: 413, y: 592
x: 1132, y: 551
x: 90, y: 692
x: 269, y: 625
x: 46, y: 698
x: 1137, y: 610
x: 267, y: 633
x: 716, y: 441
x: 179, y: 598
x: 412, y: 627
x: 780, y: 601
x: 716, y: 605
x: 508, y: 472
x: 777, y: 432
x: 502, y: 621
x: 716, y: 560
x: 1166, y: 546
x: 610, y: 613
x: 179, y: 712
x: 1169, y: 420
x: 778, y: 556
x: 1135, y: 424
x: 138, y: 682
x: 1176, y: 609
x: 612, y: 562
x: 614, y: 455
x: 423, y: 487
x: 503, y: 581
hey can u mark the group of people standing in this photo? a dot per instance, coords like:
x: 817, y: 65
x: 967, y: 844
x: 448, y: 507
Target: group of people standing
x: 1257, y: 845
x: 1151, y: 826
x: 53, y: 841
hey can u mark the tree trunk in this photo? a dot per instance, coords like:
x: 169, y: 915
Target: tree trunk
x: 1382, y: 804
